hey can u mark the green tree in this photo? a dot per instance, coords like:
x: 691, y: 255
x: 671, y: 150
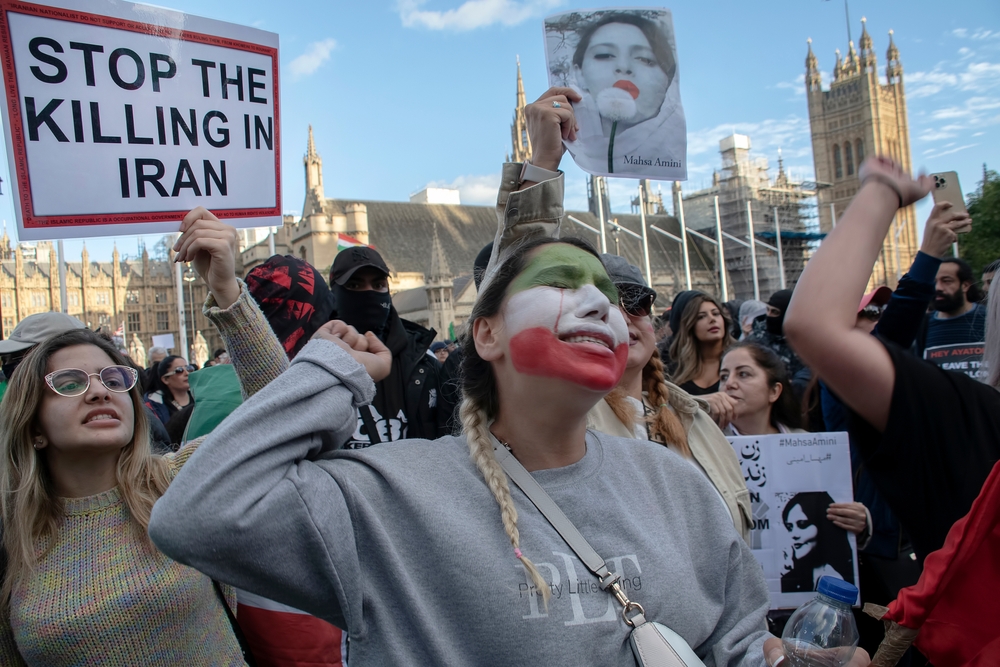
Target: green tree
x: 982, y: 245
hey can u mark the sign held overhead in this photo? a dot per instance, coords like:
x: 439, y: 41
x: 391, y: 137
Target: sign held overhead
x: 119, y: 118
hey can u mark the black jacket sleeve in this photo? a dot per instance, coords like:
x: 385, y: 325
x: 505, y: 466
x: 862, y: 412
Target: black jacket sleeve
x: 907, y: 308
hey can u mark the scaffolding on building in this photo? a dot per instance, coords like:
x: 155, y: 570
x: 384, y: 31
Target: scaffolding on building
x: 744, y: 202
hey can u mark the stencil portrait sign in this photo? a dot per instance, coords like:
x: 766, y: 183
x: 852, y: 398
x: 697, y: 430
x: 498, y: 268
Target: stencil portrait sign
x: 119, y: 118
x: 623, y: 63
x: 792, y: 479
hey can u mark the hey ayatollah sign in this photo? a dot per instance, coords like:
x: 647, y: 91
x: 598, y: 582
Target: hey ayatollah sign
x: 119, y: 118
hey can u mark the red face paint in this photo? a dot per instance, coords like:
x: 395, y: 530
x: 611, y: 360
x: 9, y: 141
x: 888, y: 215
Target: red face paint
x: 537, y: 351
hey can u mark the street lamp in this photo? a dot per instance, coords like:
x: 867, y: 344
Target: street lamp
x: 189, y: 277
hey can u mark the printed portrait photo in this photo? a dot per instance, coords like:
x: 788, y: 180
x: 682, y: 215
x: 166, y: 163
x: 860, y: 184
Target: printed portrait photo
x: 815, y: 547
x: 623, y: 62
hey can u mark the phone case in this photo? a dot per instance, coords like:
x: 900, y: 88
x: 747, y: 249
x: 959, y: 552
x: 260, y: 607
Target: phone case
x: 946, y: 188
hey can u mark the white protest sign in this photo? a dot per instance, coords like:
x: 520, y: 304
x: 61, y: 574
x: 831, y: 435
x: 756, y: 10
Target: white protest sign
x: 623, y: 63
x: 165, y: 341
x: 793, y: 478
x: 119, y: 118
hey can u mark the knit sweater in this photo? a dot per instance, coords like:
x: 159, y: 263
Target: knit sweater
x: 102, y: 594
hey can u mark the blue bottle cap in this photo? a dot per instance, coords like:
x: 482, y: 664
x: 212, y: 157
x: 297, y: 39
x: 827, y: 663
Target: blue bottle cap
x: 838, y: 589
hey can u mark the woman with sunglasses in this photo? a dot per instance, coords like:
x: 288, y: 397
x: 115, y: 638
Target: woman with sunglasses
x: 173, y: 390
x: 82, y: 584
x: 645, y: 406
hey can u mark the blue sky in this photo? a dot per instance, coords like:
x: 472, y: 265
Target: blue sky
x: 410, y: 93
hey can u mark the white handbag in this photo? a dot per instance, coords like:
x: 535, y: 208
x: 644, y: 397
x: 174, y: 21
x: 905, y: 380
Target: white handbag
x: 653, y: 644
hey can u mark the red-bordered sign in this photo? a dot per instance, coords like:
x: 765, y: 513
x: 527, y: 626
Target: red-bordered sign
x: 19, y: 166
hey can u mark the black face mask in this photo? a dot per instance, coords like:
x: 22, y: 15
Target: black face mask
x: 8, y: 369
x: 774, y: 324
x: 365, y: 311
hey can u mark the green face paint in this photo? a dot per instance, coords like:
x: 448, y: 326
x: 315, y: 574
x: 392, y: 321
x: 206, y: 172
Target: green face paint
x: 564, y: 266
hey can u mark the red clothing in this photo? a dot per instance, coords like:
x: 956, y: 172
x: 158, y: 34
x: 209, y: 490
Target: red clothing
x: 279, y: 636
x: 954, y: 604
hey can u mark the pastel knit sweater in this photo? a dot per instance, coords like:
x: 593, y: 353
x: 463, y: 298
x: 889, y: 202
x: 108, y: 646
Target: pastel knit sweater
x: 103, y: 595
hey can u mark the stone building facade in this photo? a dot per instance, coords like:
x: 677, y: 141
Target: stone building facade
x: 859, y: 116
x: 138, y: 295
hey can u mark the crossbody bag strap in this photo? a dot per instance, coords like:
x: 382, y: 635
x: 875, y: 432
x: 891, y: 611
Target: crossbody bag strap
x: 577, y: 542
x: 241, y: 639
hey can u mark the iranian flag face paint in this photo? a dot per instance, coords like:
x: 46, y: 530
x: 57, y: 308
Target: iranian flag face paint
x: 562, y: 319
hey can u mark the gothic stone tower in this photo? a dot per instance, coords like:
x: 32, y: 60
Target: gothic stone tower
x: 861, y: 116
x: 519, y: 128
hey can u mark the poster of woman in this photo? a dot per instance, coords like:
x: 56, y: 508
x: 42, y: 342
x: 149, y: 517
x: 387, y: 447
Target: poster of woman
x: 816, y: 547
x: 623, y: 62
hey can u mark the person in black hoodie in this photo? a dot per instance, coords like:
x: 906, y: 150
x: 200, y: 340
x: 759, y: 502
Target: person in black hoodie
x: 406, y: 402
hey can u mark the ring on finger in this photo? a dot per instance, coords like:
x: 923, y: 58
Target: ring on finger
x: 556, y: 105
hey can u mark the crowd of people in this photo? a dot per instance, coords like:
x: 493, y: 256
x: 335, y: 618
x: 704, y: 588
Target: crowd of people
x: 328, y: 489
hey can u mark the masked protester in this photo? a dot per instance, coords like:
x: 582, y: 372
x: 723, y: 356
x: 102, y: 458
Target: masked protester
x: 406, y: 402
x: 769, y: 332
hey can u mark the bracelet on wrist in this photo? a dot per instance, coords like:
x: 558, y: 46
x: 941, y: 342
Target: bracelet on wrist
x: 889, y: 183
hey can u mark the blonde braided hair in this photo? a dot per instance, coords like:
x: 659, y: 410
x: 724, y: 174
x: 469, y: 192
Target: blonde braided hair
x: 477, y: 433
x: 664, y: 425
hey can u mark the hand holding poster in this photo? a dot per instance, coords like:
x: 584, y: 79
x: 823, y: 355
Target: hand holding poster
x: 120, y: 118
x: 793, y: 478
x: 623, y: 62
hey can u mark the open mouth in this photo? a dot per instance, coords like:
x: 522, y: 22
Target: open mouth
x: 592, y: 338
x: 101, y: 415
x: 628, y: 87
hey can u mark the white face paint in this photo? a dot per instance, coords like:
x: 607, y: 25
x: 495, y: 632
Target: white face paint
x: 568, y: 313
x: 569, y: 334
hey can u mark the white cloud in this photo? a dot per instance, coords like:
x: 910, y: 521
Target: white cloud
x: 472, y: 14
x: 310, y: 61
x: 961, y: 33
x: 932, y: 154
x: 976, y: 78
x: 791, y: 134
x: 936, y: 135
x: 473, y: 189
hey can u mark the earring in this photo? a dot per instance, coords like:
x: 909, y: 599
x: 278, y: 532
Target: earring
x: 38, y: 444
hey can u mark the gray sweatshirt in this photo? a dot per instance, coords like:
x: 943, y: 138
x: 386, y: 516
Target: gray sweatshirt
x: 402, y: 545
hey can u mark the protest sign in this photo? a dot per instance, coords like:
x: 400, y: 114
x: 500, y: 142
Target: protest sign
x: 119, y: 118
x: 961, y: 358
x: 623, y: 63
x: 165, y: 341
x: 793, y: 478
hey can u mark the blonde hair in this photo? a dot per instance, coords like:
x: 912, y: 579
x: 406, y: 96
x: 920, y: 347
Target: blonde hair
x: 481, y: 400
x: 665, y: 427
x: 685, y: 350
x: 30, y: 509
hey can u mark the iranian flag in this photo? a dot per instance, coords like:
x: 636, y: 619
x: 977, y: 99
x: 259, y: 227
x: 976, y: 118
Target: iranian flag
x: 344, y: 242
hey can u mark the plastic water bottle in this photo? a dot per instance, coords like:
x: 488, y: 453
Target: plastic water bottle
x: 822, y: 632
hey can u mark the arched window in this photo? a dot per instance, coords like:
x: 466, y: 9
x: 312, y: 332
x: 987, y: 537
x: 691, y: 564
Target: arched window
x: 838, y: 167
x: 849, y: 158
x: 859, y: 152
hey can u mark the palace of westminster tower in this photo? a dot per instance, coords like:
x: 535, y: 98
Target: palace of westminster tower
x: 858, y: 116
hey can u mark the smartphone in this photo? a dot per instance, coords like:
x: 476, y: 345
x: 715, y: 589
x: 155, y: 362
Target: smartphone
x: 946, y: 188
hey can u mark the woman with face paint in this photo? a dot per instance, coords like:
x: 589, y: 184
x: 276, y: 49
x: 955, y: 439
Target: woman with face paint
x: 422, y: 551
